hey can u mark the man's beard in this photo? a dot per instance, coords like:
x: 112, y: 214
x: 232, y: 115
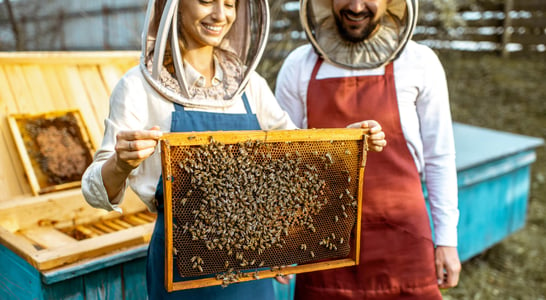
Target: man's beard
x: 352, y: 36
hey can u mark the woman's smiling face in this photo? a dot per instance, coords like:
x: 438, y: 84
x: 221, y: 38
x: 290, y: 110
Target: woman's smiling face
x: 206, y: 22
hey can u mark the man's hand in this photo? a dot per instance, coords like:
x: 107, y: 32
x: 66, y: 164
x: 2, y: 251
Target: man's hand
x: 448, y: 266
x: 376, y: 136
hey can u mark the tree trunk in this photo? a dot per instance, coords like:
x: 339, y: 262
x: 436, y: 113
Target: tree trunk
x: 19, y: 43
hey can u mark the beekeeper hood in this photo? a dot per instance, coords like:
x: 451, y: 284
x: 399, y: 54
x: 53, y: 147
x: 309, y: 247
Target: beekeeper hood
x: 241, y: 49
x: 394, y: 30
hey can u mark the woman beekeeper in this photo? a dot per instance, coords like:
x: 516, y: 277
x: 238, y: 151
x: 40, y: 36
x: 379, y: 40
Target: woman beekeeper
x: 196, y: 74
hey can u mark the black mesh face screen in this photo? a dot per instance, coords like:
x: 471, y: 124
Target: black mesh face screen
x: 248, y: 206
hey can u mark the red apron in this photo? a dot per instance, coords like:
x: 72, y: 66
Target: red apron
x: 397, y: 253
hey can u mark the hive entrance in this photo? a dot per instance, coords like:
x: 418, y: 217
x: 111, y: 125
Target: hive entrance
x: 238, y: 208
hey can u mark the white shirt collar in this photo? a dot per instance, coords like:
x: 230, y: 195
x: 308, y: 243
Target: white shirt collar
x: 196, y: 79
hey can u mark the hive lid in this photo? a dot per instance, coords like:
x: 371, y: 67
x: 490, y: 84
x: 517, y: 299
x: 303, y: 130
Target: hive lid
x: 475, y: 145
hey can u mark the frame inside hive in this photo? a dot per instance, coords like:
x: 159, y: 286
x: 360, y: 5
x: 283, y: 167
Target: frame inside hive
x: 246, y: 205
x: 55, y: 148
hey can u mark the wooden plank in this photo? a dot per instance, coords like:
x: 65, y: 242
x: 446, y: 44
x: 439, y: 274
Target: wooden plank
x: 79, y: 97
x: 63, y: 209
x: 111, y: 74
x: 69, y: 58
x: 22, y: 96
x: 18, y: 279
x: 86, y: 266
x: 17, y: 245
x: 56, y: 91
x: 104, y: 284
x: 530, y: 5
x: 23, y: 156
x: 533, y: 22
x: 528, y: 39
x: 319, y: 266
x: 134, y: 278
x: 507, y: 35
x: 38, y: 88
x: 72, y: 289
x: 96, y: 91
x: 46, y: 260
x: 11, y: 183
x: 47, y: 237
x: 234, y: 137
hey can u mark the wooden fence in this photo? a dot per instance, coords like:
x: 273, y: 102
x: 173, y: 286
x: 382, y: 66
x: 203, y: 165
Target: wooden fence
x: 507, y: 27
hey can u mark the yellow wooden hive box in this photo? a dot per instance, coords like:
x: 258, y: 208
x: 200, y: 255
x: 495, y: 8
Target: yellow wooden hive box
x: 50, y: 225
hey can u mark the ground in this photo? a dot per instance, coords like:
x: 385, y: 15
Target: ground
x: 504, y: 94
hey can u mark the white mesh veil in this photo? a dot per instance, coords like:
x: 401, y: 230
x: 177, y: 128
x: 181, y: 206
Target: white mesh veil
x: 161, y: 59
x: 396, y: 28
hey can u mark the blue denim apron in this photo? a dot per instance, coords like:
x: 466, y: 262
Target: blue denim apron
x: 185, y: 121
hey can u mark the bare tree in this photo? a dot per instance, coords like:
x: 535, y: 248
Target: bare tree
x: 19, y: 43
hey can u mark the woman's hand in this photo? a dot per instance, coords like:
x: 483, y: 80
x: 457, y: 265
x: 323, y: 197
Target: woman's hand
x: 285, y: 279
x: 376, y: 136
x: 133, y: 147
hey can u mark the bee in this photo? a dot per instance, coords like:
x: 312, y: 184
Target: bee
x: 336, y: 218
x: 341, y: 240
x: 312, y: 254
x: 303, y: 247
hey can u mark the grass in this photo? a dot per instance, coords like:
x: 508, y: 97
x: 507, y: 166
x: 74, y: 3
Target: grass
x: 509, y: 95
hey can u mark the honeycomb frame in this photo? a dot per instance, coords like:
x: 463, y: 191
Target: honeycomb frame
x: 225, y: 221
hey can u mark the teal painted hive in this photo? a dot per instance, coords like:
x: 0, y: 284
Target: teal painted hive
x: 494, y: 177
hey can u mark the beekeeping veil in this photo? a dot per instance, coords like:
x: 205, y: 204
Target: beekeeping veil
x: 162, y: 57
x: 380, y: 48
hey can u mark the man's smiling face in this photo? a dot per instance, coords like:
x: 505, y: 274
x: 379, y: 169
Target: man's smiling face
x: 358, y: 19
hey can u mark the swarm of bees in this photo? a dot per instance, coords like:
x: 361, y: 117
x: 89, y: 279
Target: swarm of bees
x: 247, y: 198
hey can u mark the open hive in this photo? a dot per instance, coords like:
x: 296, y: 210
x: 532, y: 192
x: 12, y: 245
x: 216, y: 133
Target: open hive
x: 256, y: 204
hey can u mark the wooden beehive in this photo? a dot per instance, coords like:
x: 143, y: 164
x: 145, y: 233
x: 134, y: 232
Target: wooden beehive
x: 49, y: 236
x: 247, y: 205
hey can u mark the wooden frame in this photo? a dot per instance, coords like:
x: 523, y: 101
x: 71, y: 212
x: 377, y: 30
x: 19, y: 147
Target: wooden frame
x: 26, y: 145
x: 203, y: 138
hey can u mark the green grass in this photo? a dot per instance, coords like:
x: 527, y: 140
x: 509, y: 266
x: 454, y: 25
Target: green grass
x: 509, y: 95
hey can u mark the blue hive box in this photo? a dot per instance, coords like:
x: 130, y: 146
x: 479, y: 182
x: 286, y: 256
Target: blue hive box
x: 494, y: 178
